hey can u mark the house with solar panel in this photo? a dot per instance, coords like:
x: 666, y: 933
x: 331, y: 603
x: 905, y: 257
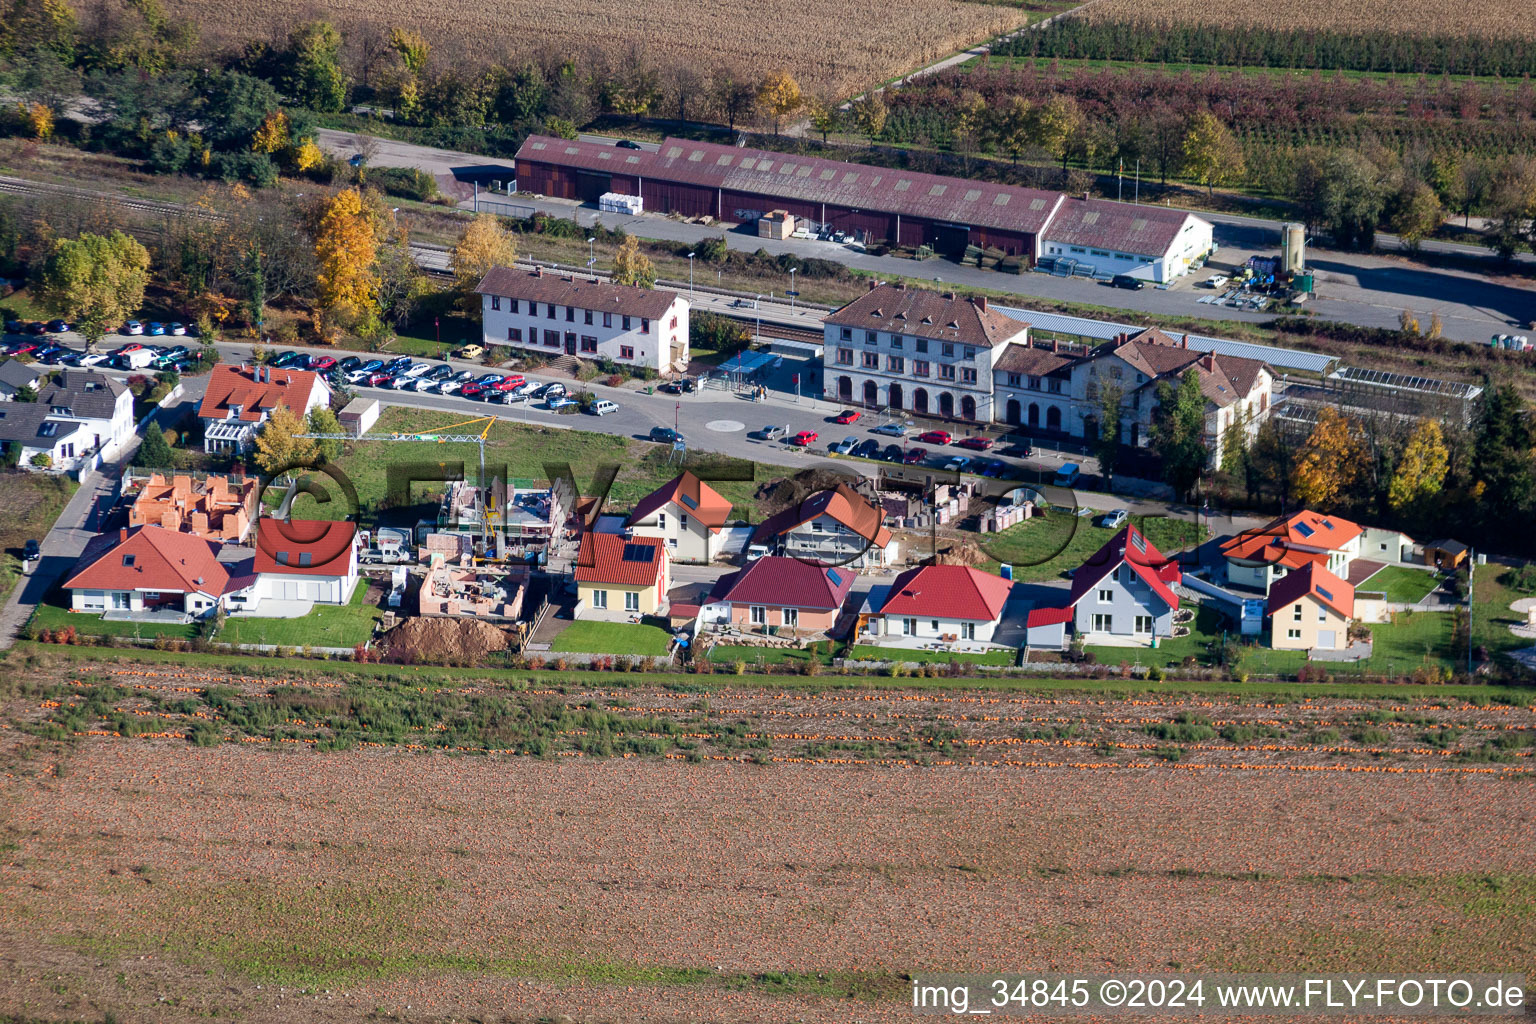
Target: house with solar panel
x: 1123, y: 595
x: 1309, y: 610
x: 779, y: 595
x: 687, y: 515
x: 1257, y: 558
x: 619, y: 578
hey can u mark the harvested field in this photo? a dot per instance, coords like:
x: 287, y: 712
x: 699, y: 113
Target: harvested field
x: 1496, y: 18
x: 873, y: 41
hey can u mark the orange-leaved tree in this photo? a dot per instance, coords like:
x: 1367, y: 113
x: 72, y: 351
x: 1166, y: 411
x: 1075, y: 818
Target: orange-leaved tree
x: 1329, y: 461
x: 347, y: 250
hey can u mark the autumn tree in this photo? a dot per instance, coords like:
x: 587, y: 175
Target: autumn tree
x: 1416, y: 214
x: 322, y: 420
x: 1211, y: 155
x: 1011, y: 127
x: 631, y: 266
x: 870, y: 114
x: 1105, y: 443
x: 412, y: 49
x: 1421, y: 471
x: 483, y: 245
x: 346, y: 248
x: 314, y: 77
x: 823, y: 114
x: 1234, y: 445
x: 1053, y: 125
x: 970, y: 121
x: 94, y: 280
x: 780, y: 96
x: 1178, y: 432
x: 279, y: 446
x: 272, y: 136
x: 1328, y: 462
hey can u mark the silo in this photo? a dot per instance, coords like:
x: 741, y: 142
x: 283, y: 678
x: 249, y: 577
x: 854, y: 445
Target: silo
x: 1293, y: 248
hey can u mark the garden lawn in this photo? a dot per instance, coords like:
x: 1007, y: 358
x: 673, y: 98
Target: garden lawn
x: 730, y: 654
x: 29, y: 504
x: 864, y: 652
x: 588, y: 637
x: 52, y: 616
x: 1401, y: 585
x: 1204, y: 630
x: 325, y: 626
x: 1046, y: 546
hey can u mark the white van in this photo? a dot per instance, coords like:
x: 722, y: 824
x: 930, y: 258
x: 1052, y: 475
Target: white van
x: 602, y: 407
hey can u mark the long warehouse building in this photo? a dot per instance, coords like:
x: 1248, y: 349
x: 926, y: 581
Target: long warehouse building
x: 880, y: 204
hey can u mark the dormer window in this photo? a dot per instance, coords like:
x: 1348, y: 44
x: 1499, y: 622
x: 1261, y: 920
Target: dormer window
x: 235, y: 411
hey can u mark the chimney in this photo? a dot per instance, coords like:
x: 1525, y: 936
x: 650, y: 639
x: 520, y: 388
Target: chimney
x: 1208, y: 361
x: 1055, y: 345
x: 873, y: 284
x: 1085, y: 197
x: 122, y: 534
x: 981, y: 303
x: 538, y: 271
x: 1184, y: 342
x: 950, y: 296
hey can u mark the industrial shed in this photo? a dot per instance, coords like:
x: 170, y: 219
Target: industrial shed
x: 1150, y: 242
x: 734, y: 184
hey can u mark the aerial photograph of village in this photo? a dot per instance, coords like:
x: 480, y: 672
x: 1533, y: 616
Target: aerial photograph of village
x: 749, y: 514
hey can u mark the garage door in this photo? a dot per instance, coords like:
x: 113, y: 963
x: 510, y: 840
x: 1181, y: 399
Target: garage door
x: 1326, y: 639
x: 591, y: 185
x: 952, y: 240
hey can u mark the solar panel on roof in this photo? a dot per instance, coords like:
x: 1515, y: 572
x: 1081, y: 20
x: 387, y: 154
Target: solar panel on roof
x: 1304, y: 530
x: 689, y: 500
x: 1324, y: 592
x: 835, y: 579
x: 638, y: 552
x: 1139, y: 541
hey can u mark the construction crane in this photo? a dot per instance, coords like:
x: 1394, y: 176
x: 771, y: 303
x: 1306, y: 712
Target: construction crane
x: 434, y: 435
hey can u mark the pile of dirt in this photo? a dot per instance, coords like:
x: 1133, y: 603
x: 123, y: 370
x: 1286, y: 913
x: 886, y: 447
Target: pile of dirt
x: 777, y: 495
x: 442, y: 641
x: 965, y: 552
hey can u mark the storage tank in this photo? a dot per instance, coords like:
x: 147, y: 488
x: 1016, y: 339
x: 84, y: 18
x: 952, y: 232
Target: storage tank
x: 1293, y: 247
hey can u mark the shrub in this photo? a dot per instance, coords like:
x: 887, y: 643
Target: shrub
x: 404, y: 182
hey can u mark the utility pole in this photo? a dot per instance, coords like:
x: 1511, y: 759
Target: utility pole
x: 1471, y: 589
x: 1120, y: 181
x: 592, y: 253
x: 1138, y: 179
x: 690, y: 272
x: 758, y: 336
x: 792, y: 293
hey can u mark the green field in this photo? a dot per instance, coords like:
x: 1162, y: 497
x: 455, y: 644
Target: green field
x: 29, y: 504
x: 728, y: 654
x: 864, y: 652
x: 324, y: 626
x: 588, y: 637
x: 1047, y: 546
x: 1402, y: 586
x: 53, y: 616
x: 1068, y: 65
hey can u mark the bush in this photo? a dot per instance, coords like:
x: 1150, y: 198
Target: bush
x: 404, y: 182
x: 254, y: 168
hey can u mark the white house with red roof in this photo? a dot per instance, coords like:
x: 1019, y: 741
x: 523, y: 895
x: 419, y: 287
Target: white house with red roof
x: 687, y: 515
x: 935, y: 605
x: 619, y: 578
x: 299, y: 562
x: 835, y: 526
x: 1257, y: 558
x: 1122, y: 595
x: 1153, y: 243
x: 1310, y: 609
x: 148, y: 568
x: 239, y: 399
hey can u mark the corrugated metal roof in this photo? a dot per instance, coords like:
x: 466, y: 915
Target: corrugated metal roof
x: 1099, y: 223
x: 1104, y: 330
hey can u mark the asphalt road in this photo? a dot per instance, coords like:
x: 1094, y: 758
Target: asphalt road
x: 1364, y: 289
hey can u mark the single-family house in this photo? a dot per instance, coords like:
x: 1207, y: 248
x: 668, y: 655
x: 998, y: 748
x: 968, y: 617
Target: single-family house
x: 301, y: 560
x: 214, y: 506
x: 685, y: 513
x: 1123, y: 592
x: 80, y: 413
x: 1310, y: 609
x: 776, y: 593
x: 239, y: 399
x: 837, y: 526
x: 148, y: 568
x: 16, y: 375
x: 936, y: 604
x: 620, y: 578
x: 1256, y: 558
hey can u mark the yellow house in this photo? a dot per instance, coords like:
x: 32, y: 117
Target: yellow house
x: 1310, y: 609
x: 619, y: 579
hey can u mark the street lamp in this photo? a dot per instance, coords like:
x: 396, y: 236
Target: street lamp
x: 759, y: 313
x: 792, y: 293
x: 690, y: 272
x: 591, y: 252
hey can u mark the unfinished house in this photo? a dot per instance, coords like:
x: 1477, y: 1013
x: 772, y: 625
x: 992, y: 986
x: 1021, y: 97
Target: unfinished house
x: 449, y: 590
x: 518, y: 522
x: 213, y: 507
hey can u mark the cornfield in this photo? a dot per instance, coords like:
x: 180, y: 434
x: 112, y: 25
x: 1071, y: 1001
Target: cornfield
x: 1493, y: 18
x: 840, y: 46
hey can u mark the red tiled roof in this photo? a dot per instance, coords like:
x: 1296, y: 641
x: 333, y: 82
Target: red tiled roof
x: 1315, y: 580
x: 897, y: 309
x: 149, y: 558
x: 786, y: 582
x: 692, y: 495
x: 1277, y: 542
x: 1048, y: 617
x: 948, y: 592
x: 601, y: 559
x: 1129, y: 547
x: 576, y: 291
x: 842, y: 503
x: 304, y: 547
x: 239, y: 385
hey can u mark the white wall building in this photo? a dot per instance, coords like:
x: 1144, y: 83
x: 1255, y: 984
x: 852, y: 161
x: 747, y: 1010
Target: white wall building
x: 83, y: 412
x: 1154, y: 243
x: 555, y: 315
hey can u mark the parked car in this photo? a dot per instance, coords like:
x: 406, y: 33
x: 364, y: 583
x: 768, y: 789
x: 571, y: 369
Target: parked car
x: 890, y: 430
x: 560, y: 402
x: 14, y: 327
x: 958, y: 464
x: 37, y: 327
x: 627, y: 144
x: 553, y: 389
x: 442, y: 371
x: 1114, y: 519
x: 319, y: 364
x: 378, y: 378
x: 510, y: 382
x: 472, y: 389
x: 804, y: 438
x: 1019, y: 450
x: 992, y: 468
x: 470, y: 352
x: 844, y: 446
x: 939, y: 437
x: 847, y: 416
x: 665, y: 435
x: 866, y: 449
x: 91, y: 359
x: 978, y: 444
x: 771, y: 433
x: 602, y: 407
x: 23, y: 348
x: 1216, y: 280
x: 398, y: 363
x: 132, y: 327
x: 892, y: 453
x: 1067, y: 475
x: 156, y: 329
x: 372, y: 365
x: 349, y: 364
x: 177, y: 329
x: 416, y: 369
x: 57, y: 326
x: 283, y: 360
x: 914, y: 456
x: 358, y: 376
x: 1126, y: 281
x: 487, y: 379
x: 526, y: 388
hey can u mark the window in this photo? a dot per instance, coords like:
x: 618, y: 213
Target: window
x: 909, y: 627
x: 896, y: 341
x: 645, y: 325
x: 894, y: 364
x: 1034, y: 383
x: 920, y: 367
x: 946, y: 371
x: 661, y: 520
x: 599, y: 599
x: 496, y: 302
x: 933, y: 624
x: 626, y: 323
x: 968, y: 375
x: 552, y: 339
x: 515, y: 334
x: 1054, y: 386
x: 791, y: 616
x: 946, y: 349
x: 631, y: 601
x: 871, y: 338
x: 512, y: 306
x: 682, y: 522
x: 1294, y: 634
x: 1143, y: 623
x: 549, y: 310
x: 586, y: 317
x: 816, y: 526
x: 570, y: 314
x: 968, y: 631
x: 1322, y: 616
x: 673, y: 325
x: 119, y: 599
x: 1296, y: 613
x: 1106, y: 596
x: 607, y: 319
x: 1102, y: 623
x: 970, y: 352
x: 871, y: 360
x: 922, y: 344
x: 1013, y: 380
x: 845, y: 357
x: 846, y: 334
x: 588, y: 343
x: 758, y: 615
x: 626, y: 352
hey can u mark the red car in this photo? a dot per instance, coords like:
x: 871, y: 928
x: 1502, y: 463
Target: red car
x: 24, y: 348
x: 375, y: 379
x: 848, y: 416
x: 804, y: 438
x: 935, y: 437
x: 320, y: 364
x: 979, y: 444
x: 471, y: 389
x: 914, y: 456
x: 507, y: 383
